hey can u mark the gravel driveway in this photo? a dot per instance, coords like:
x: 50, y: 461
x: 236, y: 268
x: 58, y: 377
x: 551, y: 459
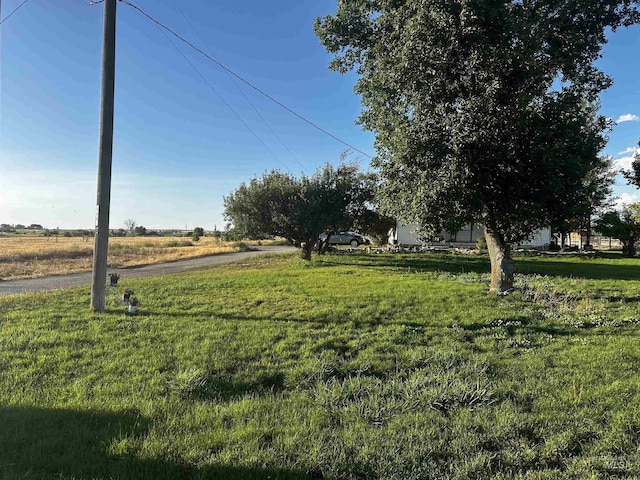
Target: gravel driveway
x: 12, y: 287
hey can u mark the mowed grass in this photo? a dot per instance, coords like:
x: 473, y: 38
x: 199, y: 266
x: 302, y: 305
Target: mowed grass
x: 356, y: 367
x: 24, y: 256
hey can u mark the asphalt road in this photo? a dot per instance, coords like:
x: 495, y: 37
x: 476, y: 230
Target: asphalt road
x: 59, y: 282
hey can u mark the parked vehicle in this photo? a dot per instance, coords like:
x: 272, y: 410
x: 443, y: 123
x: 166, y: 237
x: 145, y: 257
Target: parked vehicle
x: 347, y: 238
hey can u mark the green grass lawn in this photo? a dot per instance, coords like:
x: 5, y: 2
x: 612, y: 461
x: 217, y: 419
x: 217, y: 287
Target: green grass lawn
x: 359, y: 367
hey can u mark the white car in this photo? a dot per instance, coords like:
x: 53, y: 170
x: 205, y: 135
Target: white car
x: 347, y: 238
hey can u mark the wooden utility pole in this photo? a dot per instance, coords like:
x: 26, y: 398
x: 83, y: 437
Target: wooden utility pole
x: 98, y: 286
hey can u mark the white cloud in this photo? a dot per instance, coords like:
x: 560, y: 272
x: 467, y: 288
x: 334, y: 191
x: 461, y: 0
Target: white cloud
x: 626, y: 199
x: 627, y: 117
x: 624, y: 162
x: 627, y: 151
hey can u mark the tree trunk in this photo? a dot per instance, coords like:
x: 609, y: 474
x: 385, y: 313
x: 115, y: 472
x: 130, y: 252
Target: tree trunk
x: 305, y: 253
x: 630, y: 247
x: 502, y: 265
x: 323, y: 245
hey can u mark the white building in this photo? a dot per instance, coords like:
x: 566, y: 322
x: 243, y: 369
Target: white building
x: 406, y: 236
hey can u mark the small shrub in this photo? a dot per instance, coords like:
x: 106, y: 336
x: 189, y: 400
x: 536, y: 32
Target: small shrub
x: 181, y: 243
x: 242, y: 246
x: 195, y: 238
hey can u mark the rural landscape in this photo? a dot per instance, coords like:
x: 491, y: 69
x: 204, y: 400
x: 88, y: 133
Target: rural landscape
x: 354, y: 365
x: 33, y: 256
x: 462, y: 304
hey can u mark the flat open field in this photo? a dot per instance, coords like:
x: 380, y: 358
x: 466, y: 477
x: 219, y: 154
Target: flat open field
x: 349, y: 367
x: 23, y: 256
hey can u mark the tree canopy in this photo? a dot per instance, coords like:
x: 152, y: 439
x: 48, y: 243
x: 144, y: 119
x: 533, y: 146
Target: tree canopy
x: 301, y: 209
x: 623, y: 225
x: 581, y: 199
x: 484, y: 111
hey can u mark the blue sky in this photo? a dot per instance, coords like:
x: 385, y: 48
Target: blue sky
x: 178, y: 146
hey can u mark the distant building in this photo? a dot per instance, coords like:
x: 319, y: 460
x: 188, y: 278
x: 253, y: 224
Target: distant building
x: 579, y: 239
x: 467, y: 236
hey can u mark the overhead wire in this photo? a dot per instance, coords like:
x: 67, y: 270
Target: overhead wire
x: 231, y: 72
x: 224, y: 101
x: 14, y: 11
x: 240, y: 89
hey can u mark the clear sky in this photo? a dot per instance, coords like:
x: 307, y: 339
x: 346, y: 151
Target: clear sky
x: 180, y: 142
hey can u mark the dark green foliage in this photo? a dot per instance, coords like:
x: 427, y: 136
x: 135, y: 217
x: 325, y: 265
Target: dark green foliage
x: 375, y: 225
x: 623, y: 225
x: 121, y: 232
x: 300, y: 210
x: 483, y: 111
x: 197, y: 233
x: 139, y: 231
x: 573, y: 208
x: 242, y: 246
x: 233, y: 234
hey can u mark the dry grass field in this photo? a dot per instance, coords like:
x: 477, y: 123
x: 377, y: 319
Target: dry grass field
x: 23, y: 256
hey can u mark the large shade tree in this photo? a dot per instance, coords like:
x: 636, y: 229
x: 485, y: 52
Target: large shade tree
x: 483, y: 110
x: 301, y: 209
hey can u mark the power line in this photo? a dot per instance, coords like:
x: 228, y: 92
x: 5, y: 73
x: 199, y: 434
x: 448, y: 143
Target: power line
x: 184, y: 40
x: 223, y: 100
x: 239, y: 89
x: 14, y: 11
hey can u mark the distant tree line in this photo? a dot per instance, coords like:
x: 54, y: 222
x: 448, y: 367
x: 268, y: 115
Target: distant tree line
x: 5, y: 227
